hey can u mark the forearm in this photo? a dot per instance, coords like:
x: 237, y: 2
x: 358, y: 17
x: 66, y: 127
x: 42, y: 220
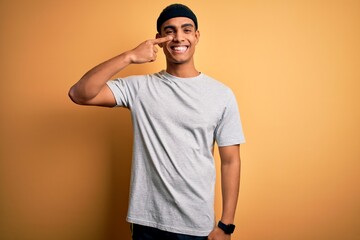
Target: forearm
x: 95, y: 79
x: 93, y: 82
x: 230, y: 190
x: 230, y: 182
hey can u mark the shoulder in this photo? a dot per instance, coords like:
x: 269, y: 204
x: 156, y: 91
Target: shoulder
x: 217, y: 86
x: 132, y: 80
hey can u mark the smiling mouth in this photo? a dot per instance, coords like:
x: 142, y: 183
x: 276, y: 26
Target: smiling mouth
x: 179, y: 49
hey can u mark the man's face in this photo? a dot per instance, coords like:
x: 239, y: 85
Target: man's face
x: 185, y: 37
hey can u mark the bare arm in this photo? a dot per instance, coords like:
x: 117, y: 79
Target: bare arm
x: 230, y: 182
x: 91, y: 89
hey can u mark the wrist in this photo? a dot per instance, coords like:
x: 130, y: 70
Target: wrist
x: 226, y: 228
x: 227, y: 220
x: 128, y: 57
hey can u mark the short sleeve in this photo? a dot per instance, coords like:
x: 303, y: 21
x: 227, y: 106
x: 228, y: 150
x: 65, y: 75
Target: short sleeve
x: 125, y: 90
x: 229, y: 129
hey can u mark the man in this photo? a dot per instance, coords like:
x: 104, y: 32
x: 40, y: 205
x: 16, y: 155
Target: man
x: 177, y: 114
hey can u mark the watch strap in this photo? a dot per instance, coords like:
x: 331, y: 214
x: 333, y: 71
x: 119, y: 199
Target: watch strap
x: 227, y: 228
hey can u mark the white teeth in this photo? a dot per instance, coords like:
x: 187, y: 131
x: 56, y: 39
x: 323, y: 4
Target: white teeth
x: 180, y: 48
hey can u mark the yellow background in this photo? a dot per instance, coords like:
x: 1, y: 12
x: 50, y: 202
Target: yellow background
x: 294, y: 67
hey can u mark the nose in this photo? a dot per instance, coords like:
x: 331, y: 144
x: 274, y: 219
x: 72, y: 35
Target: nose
x: 178, y: 37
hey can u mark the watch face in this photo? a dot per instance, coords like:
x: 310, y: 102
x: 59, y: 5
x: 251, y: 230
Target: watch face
x: 231, y: 228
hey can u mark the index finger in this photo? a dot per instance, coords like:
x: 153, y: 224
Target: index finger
x: 162, y: 40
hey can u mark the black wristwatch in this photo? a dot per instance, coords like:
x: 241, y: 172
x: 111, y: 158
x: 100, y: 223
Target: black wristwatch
x: 228, y: 229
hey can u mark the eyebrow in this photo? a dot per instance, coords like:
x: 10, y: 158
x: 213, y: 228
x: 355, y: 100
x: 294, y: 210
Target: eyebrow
x: 182, y: 26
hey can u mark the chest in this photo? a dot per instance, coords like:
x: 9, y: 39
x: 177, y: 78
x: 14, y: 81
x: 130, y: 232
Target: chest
x: 188, y: 107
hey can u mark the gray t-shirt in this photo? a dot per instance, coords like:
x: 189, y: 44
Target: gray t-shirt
x: 176, y: 122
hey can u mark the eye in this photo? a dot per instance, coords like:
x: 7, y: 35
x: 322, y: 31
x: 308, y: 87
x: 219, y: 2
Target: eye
x: 187, y: 30
x: 168, y: 32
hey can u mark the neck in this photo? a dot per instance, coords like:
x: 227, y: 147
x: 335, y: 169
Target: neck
x: 184, y: 70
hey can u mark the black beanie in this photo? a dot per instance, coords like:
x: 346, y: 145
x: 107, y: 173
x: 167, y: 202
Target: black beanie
x: 175, y: 10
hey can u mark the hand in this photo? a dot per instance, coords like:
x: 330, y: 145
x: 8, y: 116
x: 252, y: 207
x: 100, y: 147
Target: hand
x: 146, y: 51
x: 218, y: 234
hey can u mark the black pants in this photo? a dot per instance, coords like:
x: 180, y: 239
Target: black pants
x: 140, y: 232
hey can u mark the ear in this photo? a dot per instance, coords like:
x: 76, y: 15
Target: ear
x: 159, y: 36
x: 197, y: 36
